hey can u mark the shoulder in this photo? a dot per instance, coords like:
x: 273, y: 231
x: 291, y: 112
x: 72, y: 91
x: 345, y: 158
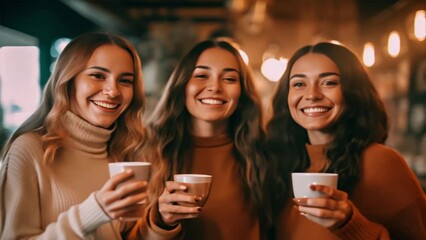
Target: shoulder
x: 25, y: 142
x: 385, y: 166
x: 378, y: 155
x: 26, y: 147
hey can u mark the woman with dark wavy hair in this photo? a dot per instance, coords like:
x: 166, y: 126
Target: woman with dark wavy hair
x: 207, y: 122
x: 328, y: 117
x: 54, y: 181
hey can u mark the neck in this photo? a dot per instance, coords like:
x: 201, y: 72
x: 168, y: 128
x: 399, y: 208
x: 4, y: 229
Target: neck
x: 208, y: 129
x: 318, y: 138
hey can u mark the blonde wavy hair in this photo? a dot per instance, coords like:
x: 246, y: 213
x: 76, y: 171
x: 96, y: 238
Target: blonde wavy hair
x: 127, y: 139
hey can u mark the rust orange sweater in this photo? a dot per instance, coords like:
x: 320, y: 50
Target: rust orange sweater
x: 388, y: 196
x: 227, y: 214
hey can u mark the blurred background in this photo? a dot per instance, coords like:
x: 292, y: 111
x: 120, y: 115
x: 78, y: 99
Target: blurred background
x: 387, y: 35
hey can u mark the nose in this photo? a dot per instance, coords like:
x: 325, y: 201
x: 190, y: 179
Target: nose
x: 313, y: 93
x: 111, y: 90
x: 214, y: 85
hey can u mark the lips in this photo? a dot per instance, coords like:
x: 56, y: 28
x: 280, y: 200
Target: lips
x: 106, y: 105
x: 212, y: 101
x: 313, y: 110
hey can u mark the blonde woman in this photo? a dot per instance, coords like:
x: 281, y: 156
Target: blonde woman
x: 54, y: 177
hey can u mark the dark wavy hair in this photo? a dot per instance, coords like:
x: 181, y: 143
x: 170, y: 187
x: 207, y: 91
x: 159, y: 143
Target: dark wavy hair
x: 170, y: 140
x: 46, y: 120
x: 364, y: 121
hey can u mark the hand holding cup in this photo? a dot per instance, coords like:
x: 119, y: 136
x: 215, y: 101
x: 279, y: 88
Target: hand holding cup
x: 131, y: 188
x: 183, y: 198
x: 319, y: 200
x: 196, y: 185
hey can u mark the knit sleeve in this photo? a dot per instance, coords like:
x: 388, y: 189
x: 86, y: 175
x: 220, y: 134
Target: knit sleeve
x: 21, y: 193
x: 389, y: 193
x: 361, y: 228
x: 147, y: 229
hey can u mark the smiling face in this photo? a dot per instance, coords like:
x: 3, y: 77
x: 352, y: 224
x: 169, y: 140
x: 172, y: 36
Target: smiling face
x: 315, y: 96
x: 104, y: 89
x: 212, y: 93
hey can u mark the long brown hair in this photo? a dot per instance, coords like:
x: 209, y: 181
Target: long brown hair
x: 130, y: 133
x: 364, y: 121
x: 170, y: 140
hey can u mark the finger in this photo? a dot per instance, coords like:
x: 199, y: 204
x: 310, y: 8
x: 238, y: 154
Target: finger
x: 112, y: 183
x: 122, y: 212
x: 172, y: 219
x: 322, y: 212
x: 175, y: 186
x: 132, y: 187
x: 322, y: 202
x: 177, y: 197
x: 136, y: 199
x: 178, y: 209
x: 329, y: 191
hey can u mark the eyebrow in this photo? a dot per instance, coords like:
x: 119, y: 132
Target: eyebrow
x: 325, y: 74
x: 225, y: 69
x: 108, y: 71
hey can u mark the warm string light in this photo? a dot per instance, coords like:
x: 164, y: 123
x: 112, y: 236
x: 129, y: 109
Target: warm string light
x: 244, y: 56
x: 420, y: 25
x: 394, y: 44
x: 368, y: 55
x: 273, y: 68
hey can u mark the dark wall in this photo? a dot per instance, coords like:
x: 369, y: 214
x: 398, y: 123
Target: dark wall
x: 47, y: 20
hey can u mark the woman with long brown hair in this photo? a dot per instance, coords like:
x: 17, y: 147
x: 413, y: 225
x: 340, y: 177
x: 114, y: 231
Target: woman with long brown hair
x: 328, y: 117
x: 207, y: 122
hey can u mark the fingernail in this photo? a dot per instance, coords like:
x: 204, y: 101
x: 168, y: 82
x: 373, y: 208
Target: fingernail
x: 129, y: 171
x: 182, y: 187
x: 197, y: 199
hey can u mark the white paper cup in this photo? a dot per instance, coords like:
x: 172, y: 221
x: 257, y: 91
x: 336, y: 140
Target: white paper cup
x: 302, y: 181
x: 141, y: 171
x: 197, y: 185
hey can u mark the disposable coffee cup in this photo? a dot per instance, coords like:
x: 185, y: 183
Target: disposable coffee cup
x: 141, y: 171
x: 197, y: 185
x: 302, y: 181
x: 301, y: 189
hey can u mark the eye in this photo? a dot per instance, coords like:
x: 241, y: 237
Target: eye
x: 97, y: 75
x: 230, y: 79
x: 297, y: 84
x: 200, y: 75
x: 331, y: 82
x: 126, y: 81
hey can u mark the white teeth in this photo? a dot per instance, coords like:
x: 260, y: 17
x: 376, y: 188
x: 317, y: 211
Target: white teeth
x: 212, y: 101
x: 106, y: 105
x: 315, y: 110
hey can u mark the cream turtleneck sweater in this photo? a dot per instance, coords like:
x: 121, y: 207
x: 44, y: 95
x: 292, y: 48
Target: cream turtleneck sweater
x: 56, y: 201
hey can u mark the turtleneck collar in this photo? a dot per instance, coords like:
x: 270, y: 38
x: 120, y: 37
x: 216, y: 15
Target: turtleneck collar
x: 318, y: 158
x: 211, y: 141
x: 84, y: 135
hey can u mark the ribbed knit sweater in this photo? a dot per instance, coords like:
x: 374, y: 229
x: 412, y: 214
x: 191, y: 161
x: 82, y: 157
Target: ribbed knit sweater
x: 227, y: 214
x: 388, y: 196
x: 56, y: 201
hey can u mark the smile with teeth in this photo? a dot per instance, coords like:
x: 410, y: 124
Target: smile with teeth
x: 106, y: 105
x: 315, y: 110
x: 212, y: 101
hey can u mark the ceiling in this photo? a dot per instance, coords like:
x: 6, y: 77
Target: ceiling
x: 135, y: 16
